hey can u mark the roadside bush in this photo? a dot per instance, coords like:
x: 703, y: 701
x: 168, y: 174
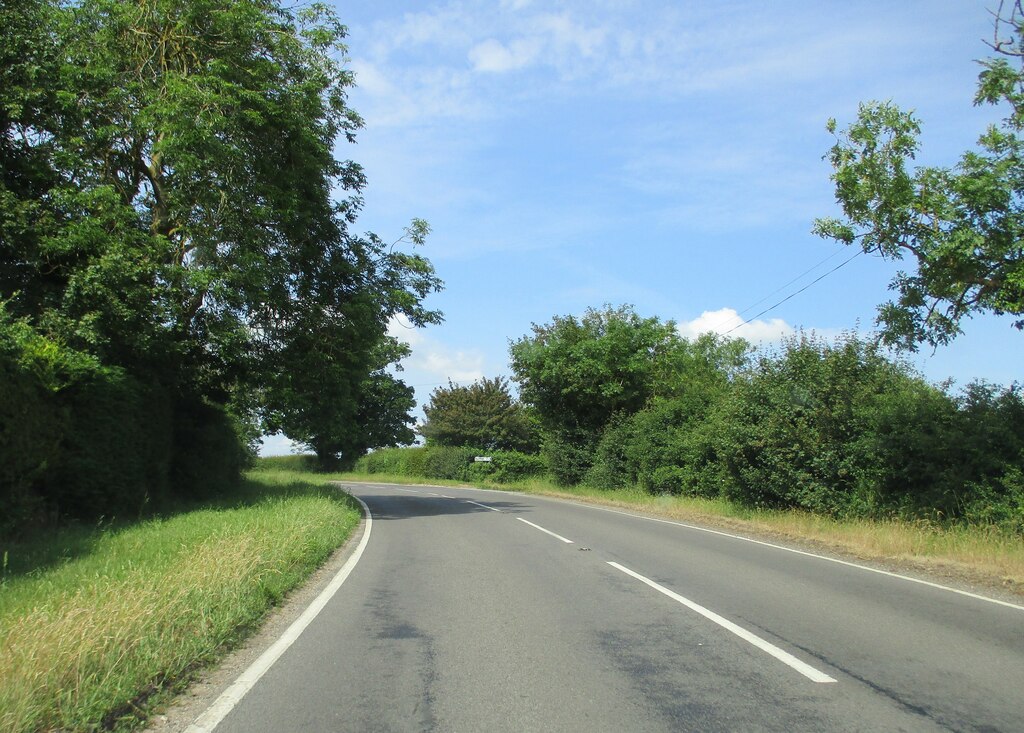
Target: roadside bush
x: 510, y: 466
x: 569, y: 457
x: 116, y: 451
x: 32, y: 421
x: 295, y: 462
x: 998, y: 502
x: 662, y: 448
x: 209, y: 450
x: 612, y: 466
x: 790, y: 435
x: 450, y: 463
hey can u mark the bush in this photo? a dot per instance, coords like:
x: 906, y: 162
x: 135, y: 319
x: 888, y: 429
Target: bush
x: 209, y: 451
x: 295, y: 462
x: 511, y: 466
x: 116, y: 451
x: 793, y: 434
x: 456, y: 464
x: 453, y: 464
x: 998, y: 502
x: 32, y: 421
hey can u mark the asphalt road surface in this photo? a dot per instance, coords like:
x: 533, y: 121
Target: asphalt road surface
x: 486, y: 611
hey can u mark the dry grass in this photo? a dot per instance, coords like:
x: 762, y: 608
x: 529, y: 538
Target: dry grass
x: 985, y: 555
x: 977, y: 554
x: 84, y: 644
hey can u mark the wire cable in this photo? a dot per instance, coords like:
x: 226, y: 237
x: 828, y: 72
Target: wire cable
x: 779, y: 289
x: 792, y: 295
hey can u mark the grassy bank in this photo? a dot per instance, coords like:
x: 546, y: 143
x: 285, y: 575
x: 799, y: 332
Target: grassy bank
x: 96, y: 623
x: 976, y: 554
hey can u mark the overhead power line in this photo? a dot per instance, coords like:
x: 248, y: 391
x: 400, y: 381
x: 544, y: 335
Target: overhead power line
x: 779, y: 289
x: 792, y: 295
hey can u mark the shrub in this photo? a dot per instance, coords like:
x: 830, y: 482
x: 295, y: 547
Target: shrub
x: 510, y: 466
x: 116, y: 451
x: 32, y: 421
x: 209, y: 452
x: 793, y: 433
x: 450, y: 463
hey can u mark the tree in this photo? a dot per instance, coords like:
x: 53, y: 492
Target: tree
x: 337, y: 398
x: 171, y: 207
x: 961, y: 226
x: 482, y: 415
x: 580, y: 373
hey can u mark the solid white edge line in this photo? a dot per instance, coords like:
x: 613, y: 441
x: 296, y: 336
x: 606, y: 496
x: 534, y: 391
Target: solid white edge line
x: 848, y: 564
x: 919, y: 581
x: 245, y: 682
x: 467, y: 501
x: 546, y: 531
x: 783, y: 656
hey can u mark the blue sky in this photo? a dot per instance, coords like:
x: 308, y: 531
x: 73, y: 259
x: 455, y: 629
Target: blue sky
x: 662, y: 154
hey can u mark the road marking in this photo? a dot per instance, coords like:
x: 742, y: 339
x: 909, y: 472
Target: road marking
x: 445, y: 496
x: 247, y: 680
x: 783, y: 656
x: 409, y: 491
x: 545, y: 531
x: 467, y: 501
x: 919, y: 581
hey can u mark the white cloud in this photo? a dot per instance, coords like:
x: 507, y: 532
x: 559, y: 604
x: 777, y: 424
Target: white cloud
x: 494, y: 56
x: 566, y: 33
x: 433, y: 362
x: 727, y: 321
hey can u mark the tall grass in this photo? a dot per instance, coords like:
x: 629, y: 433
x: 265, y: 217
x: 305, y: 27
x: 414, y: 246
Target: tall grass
x: 87, y: 639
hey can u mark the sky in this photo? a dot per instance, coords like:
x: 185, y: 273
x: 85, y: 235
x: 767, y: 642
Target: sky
x: 663, y: 154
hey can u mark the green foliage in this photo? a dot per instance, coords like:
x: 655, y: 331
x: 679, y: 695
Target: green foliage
x: 297, y: 462
x: 32, y: 422
x: 961, y: 226
x: 580, y: 374
x: 116, y: 448
x: 835, y: 428
x: 453, y: 464
x: 482, y: 414
x: 662, y: 448
x: 788, y: 435
x: 170, y: 218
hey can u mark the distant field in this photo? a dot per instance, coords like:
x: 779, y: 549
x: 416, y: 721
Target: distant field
x: 96, y: 623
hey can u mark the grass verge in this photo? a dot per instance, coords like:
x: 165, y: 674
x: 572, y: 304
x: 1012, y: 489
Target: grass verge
x: 97, y: 623
x: 985, y: 555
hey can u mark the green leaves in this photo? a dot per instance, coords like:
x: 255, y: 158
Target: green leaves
x: 172, y: 207
x: 962, y: 227
x: 482, y: 415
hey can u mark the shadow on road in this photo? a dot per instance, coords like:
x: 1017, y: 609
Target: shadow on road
x: 390, y: 506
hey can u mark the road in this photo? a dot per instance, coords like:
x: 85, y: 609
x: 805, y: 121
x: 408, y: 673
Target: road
x: 486, y: 611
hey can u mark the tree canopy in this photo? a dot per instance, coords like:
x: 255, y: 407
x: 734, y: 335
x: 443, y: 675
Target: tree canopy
x: 962, y: 227
x: 172, y: 210
x: 481, y: 415
x: 580, y: 373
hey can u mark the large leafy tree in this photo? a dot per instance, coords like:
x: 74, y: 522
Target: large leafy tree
x: 961, y: 227
x: 483, y: 415
x: 172, y: 207
x: 580, y: 373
